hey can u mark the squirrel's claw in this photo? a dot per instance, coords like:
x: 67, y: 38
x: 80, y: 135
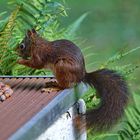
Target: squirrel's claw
x: 20, y: 61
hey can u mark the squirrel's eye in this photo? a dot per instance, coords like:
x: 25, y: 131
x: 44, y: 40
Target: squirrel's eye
x: 22, y: 46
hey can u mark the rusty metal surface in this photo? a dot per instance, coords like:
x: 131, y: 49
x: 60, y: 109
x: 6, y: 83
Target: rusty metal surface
x: 45, y: 118
x: 26, y: 101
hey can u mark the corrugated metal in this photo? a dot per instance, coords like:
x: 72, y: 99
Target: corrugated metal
x: 25, y: 102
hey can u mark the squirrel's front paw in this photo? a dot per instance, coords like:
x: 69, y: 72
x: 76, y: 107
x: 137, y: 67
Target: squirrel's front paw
x: 20, y: 61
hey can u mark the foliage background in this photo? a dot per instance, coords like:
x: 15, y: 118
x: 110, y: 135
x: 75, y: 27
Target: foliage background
x: 108, y: 33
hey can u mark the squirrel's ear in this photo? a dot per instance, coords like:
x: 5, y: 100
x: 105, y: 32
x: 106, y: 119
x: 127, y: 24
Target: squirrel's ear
x: 34, y: 31
x: 31, y: 33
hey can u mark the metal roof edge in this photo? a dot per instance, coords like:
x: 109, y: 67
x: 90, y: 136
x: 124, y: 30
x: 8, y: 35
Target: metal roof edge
x: 43, y: 119
x: 26, y: 76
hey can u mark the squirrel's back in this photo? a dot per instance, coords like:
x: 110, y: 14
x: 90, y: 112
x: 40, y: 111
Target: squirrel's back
x: 67, y: 47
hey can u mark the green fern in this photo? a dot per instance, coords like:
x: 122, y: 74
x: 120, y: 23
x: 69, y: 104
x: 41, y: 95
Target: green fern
x: 118, y: 56
x: 42, y: 15
x: 26, y: 15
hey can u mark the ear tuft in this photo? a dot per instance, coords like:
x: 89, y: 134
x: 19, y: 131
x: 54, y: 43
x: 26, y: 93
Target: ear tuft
x: 28, y: 34
x: 34, y: 31
x: 31, y: 33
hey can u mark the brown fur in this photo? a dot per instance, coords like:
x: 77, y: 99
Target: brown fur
x: 114, y: 97
x: 66, y: 61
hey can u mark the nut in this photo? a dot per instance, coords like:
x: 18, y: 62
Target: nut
x: 8, y: 93
x: 1, y: 93
x: 2, y: 97
x: 1, y: 85
x: 5, y: 91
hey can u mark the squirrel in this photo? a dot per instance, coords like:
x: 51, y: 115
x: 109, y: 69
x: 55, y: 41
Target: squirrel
x: 66, y: 61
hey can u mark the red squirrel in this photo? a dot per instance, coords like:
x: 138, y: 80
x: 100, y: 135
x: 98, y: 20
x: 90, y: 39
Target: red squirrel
x: 66, y: 62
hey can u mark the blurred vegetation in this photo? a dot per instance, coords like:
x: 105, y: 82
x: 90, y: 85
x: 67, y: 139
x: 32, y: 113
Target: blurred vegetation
x: 106, y: 31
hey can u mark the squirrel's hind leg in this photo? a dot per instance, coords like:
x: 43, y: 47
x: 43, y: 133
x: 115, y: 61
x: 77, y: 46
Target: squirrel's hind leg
x: 67, y: 73
x: 51, y: 85
x: 51, y: 82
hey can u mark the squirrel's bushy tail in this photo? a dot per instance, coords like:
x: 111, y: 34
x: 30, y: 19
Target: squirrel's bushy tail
x: 113, y: 92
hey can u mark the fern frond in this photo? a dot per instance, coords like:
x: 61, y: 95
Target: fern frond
x: 118, y: 56
x: 6, y: 32
x: 26, y: 15
x: 75, y: 25
x: 131, y: 127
